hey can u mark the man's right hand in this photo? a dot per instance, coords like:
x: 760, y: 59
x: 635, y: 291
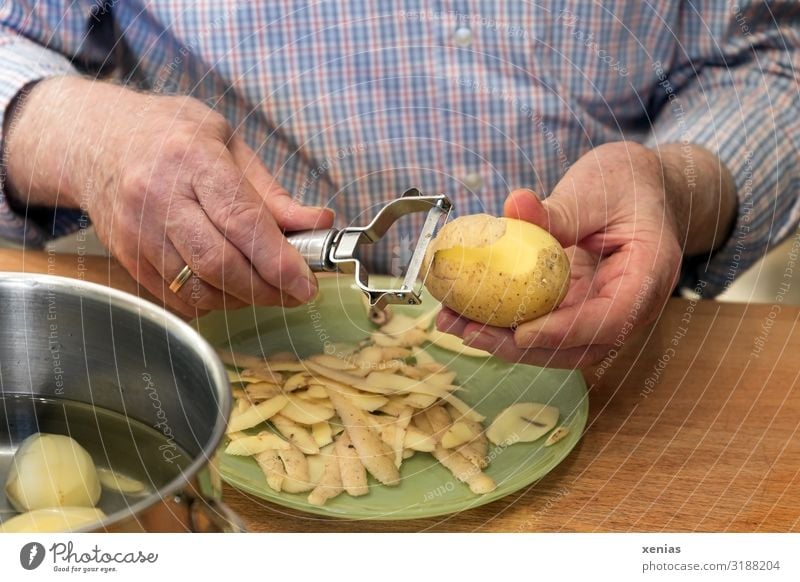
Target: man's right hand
x: 166, y: 183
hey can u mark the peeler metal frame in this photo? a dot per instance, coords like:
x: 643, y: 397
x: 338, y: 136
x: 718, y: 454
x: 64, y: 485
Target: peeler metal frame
x: 335, y: 250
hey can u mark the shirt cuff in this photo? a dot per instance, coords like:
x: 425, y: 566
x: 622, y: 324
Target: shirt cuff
x: 23, y: 63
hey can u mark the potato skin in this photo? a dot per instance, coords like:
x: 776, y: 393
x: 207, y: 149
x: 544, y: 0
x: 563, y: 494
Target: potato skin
x: 497, y: 271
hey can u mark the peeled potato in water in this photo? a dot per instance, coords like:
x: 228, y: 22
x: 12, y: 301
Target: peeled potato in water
x: 497, y: 271
x: 52, y: 470
x: 54, y: 519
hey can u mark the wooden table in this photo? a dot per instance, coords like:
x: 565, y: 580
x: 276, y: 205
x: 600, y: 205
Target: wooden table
x: 692, y: 427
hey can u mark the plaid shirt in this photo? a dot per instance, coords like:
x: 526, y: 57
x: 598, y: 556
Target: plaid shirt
x: 351, y: 102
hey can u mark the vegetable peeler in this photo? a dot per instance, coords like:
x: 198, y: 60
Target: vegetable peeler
x: 335, y: 250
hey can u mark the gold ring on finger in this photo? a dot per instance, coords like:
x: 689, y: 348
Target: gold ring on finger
x: 179, y: 281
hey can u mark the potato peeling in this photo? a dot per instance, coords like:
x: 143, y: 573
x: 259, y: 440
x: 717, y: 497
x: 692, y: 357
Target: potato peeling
x: 336, y: 421
x: 324, y: 425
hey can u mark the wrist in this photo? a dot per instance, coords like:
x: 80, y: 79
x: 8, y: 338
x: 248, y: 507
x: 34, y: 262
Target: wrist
x: 10, y: 128
x: 52, y: 147
x: 677, y: 193
x: 700, y: 196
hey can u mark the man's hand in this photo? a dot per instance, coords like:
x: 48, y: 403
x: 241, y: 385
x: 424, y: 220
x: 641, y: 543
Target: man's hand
x: 167, y: 183
x: 625, y: 215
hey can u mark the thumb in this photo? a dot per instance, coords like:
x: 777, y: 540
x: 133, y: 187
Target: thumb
x: 559, y: 214
x: 524, y: 204
x: 290, y: 214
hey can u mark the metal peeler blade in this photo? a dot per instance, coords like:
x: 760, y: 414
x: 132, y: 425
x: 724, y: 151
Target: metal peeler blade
x: 332, y: 249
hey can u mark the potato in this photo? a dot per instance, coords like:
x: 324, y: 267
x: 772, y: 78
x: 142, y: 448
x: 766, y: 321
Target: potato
x: 498, y: 271
x: 52, y: 470
x: 52, y: 519
x: 120, y: 483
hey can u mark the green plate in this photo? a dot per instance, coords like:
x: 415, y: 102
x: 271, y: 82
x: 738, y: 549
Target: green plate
x: 427, y: 489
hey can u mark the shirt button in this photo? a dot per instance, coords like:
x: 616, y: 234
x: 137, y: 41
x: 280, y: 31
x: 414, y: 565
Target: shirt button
x: 473, y: 181
x: 462, y: 37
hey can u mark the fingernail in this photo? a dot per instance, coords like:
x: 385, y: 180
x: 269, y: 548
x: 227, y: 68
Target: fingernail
x: 480, y: 339
x: 302, y: 288
x: 322, y: 210
x: 526, y: 191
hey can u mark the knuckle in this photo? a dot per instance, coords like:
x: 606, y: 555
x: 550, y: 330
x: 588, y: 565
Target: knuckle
x: 207, y: 260
x: 218, y: 180
x: 201, y: 115
x: 553, y: 338
x: 557, y: 218
x: 176, y: 147
x: 135, y: 183
x: 216, y: 120
x: 242, y: 212
x: 207, y: 183
x: 188, y: 146
x: 188, y: 106
x: 228, y: 180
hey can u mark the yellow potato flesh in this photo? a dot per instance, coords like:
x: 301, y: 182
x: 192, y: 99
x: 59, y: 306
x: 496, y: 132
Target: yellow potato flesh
x: 497, y: 271
x: 52, y: 470
x: 54, y: 519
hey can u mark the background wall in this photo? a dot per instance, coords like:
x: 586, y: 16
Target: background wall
x: 762, y: 282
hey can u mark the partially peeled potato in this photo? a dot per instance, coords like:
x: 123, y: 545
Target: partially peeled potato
x: 497, y: 271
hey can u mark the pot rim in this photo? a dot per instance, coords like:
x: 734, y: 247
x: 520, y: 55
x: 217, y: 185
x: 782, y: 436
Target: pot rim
x: 183, y: 331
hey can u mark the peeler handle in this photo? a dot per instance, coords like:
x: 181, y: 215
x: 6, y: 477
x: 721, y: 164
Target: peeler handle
x: 315, y: 246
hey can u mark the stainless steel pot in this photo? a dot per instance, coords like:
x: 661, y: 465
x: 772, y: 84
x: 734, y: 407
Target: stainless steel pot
x: 68, y: 339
